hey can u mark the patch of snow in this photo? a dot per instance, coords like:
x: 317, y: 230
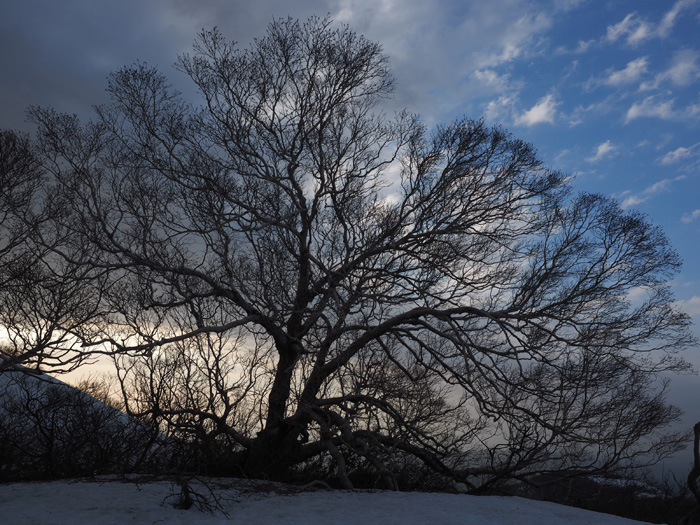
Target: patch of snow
x: 111, y: 502
x: 643, y: 489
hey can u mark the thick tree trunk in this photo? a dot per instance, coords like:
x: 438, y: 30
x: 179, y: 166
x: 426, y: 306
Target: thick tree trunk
x: 279, y: 394
x: 273, y: 452
x: 276, y: 447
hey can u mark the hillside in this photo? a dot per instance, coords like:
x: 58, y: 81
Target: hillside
x: 51, y: 430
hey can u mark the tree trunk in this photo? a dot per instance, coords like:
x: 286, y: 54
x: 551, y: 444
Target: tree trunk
x: 693, y: 517
x: 275, y: 448
x: 273, y: 452
x: 694, y: 474
x: 279, y: 394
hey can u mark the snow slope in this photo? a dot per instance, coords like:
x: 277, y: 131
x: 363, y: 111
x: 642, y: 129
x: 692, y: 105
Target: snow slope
x: 116, y: 503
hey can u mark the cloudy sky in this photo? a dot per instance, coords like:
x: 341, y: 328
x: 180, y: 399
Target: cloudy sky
x: 608, y: 91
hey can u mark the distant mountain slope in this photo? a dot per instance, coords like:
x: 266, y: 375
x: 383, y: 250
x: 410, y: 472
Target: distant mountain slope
x: 49, y: 430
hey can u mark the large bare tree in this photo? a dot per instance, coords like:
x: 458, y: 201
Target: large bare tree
x: 293, y: 277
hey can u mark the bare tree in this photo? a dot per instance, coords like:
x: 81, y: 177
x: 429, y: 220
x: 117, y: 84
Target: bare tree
x: 290, y: 270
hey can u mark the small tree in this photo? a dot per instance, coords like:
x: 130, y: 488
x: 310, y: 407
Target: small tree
x: 290, y: 271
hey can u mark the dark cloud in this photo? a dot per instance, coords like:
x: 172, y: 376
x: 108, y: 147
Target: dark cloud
x: 59, y: 53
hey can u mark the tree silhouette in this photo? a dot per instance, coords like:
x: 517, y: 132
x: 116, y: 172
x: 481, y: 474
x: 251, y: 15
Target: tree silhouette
x: 290, y: 277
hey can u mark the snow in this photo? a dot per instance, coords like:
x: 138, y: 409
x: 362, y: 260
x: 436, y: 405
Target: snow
x: 114, y: 502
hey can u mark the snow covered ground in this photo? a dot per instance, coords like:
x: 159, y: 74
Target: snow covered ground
x: 109, y: 502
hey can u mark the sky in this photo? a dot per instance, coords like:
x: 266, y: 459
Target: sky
x: 107, y: 502
x: 607, y: 91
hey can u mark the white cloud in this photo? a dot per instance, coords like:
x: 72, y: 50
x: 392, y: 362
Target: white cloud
x: 492, y: 79
x: 584, y: 45
x: 631, y: 73
x: 543, y: 111
x: 693, y: 110
x: 510, y: 51
x: 632, y: 27
x: 621, y: 28
x: 581, y: 47
x: 598, y: 108
x: 683, y: 70
x: 690, y: 306
x: 566, y: 5
x: 632, y: 201
x: 436, y: 48
x: 690, y: 217
x: 636, y: 30
x: 651, y: 107
x: 656, y: 107
x: 649, y: 192
x: 669, y: 19
x: 517, y: 31
x: 681, y: 153
x: 500, y: 109
x: 562, y: 154
x: 603, y: 150
x: 637, y: 294
x: 676, y: 155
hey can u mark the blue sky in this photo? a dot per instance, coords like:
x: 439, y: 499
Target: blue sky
x: 608, y: 91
